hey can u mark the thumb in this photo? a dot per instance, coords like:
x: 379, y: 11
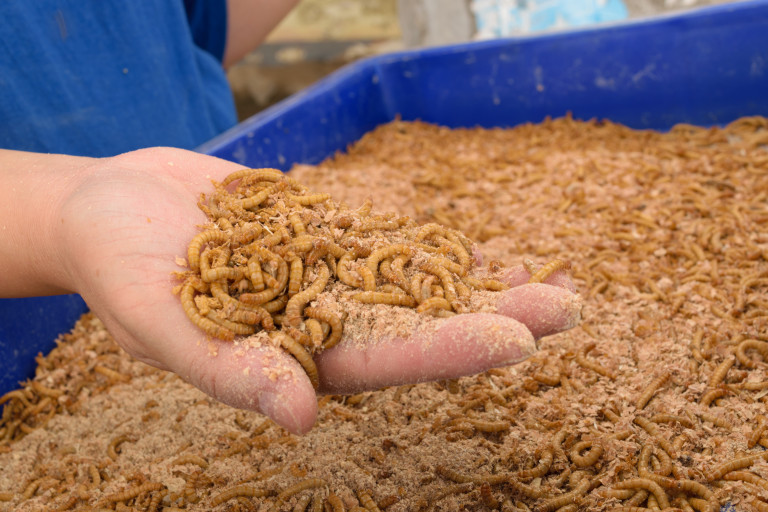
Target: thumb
x: 260, y: 378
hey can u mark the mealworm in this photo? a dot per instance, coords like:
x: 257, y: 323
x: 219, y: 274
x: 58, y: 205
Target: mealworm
x: 327, y: 316
x: 541, y: 469
x: 683, y: 504
x: 425, y: 292
x: 650, y: 390
x: 397, y: 270
x: 530, y: 266
x: 369, y: 278
x: 485, y: 284
x: 547, y: 270
x: 748, y: 477
x: 760, y: 347
x: 300, y: 353
x: 34, y: 410
x: 648, y: 485
x: 718, y: 375
x: 581, y: 359
x: 712, y: 395
x: 308, y: 200
x: 93, y: 472
x: 611, y: 415
x: 545, y: 378
x: 702, y: 505
x: 618, y: 494
x: 315, y: 331
x: 757, y: 433
x: 309, y: 483
x: 489, y: 426
x: 366, y: 501
x: 428, y: 230
x: 449, y: 265
x: 445, y: 277
x: 372, y: 262
x: 392, y: 299
x: 193, y: 250
x: 640, y: 496
x: 210, y: 274
x: 752, y: 386
x: 262, y: 174
x: 691, y: 487
x: 391, y: 288
x: 46, y: 391
x: 133, y: 492
x: 280, y: 235
x: 347, y: 277
x: 254, y: 272
x: 669, y: 418
x: 296, y: 303
x: 335, y: 502
x: 190, y: 459
x: 733, y: 465
x: 453, y: 242
x: 154, y: 502
x: 572, y: 497
x: 111, y: 374
x: 233, y: 326
x: 433, y: 304
x: 487, y: 496
x: 7, y: 496
x: 759, y: 505
x: 295, y: 275
x: 247, y: 490
x: 297, y: 224
x: 208, y: 326
x: 653, y: 431
x: 114, y: 445
x: 31, y: 488
x: 715, y: 420
x: 595, y: 451
x: 302, y: 503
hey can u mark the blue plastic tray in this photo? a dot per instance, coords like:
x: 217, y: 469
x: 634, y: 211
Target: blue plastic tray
x: 704, y: 67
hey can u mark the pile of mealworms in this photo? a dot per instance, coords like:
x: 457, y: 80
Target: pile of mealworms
x: 657, y: 401
x: 271, y: 247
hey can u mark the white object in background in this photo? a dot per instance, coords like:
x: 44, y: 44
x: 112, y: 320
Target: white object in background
x: 435, y: 22
x: 500, y: 18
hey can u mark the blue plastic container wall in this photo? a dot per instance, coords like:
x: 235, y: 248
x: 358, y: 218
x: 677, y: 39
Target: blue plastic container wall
x: 704, y: 67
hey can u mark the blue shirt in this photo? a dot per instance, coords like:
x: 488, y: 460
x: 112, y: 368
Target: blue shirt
x: 101, y: 77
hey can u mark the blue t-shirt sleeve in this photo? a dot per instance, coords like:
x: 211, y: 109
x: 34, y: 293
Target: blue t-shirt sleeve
x: 208, y: 23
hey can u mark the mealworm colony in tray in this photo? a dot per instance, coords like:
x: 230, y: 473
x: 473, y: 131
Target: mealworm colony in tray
x: 657, y: 400
x: 272, y: 247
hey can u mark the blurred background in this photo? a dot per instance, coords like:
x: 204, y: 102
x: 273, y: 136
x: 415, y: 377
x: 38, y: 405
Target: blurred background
x: 320, y: 36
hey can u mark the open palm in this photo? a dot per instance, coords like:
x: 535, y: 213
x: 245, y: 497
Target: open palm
x: 126, y: 225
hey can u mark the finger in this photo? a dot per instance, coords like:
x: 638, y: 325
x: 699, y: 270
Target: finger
x: 252, y: 376
x: 543, y: 308
x: 263, y: 378
x: 516, y: 276
x: 440, y: 349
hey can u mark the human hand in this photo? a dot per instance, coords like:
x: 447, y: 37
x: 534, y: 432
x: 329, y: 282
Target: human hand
x: 126, y: 223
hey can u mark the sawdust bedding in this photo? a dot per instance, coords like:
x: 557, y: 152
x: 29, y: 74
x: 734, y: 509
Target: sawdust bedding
x: 657, y: 400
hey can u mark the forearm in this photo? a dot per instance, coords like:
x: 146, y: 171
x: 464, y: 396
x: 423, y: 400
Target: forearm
x: 249, y: 22
x: 33, y: 187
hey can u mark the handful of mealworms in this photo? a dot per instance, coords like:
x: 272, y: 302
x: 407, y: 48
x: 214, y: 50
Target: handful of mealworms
x: 271, y: 247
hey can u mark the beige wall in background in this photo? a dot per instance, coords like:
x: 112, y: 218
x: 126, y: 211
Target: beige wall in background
x: 370, y: 27
x: 339, y: 20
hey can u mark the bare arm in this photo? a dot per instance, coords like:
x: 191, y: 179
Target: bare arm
x: 112, y: 229
x: 249, y: 22
x: 32, y: 188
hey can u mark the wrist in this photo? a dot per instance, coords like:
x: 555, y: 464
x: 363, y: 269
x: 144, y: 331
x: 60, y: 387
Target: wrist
x: 33, y: 189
